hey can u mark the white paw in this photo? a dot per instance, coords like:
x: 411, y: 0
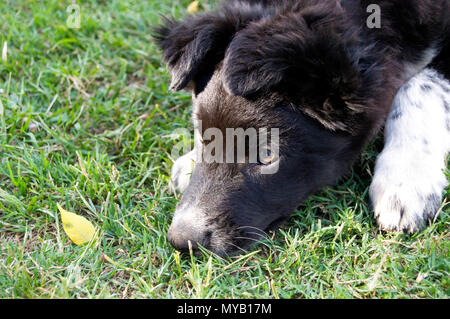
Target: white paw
x: 409, y: 178
x: 406, y: 197
x: 404, y: 209
x: 181, y: 172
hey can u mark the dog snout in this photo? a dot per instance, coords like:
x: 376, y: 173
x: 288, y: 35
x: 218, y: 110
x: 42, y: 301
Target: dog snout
x: 185, y: 228
x: 180, y: 236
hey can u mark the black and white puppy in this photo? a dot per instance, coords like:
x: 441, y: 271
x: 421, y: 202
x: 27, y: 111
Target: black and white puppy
x: 316, y: 71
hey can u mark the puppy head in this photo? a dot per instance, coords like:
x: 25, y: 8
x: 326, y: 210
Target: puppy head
x: 295, y: 72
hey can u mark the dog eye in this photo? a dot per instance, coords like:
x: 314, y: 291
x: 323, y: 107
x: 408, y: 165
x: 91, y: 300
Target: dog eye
x: 266, y: 156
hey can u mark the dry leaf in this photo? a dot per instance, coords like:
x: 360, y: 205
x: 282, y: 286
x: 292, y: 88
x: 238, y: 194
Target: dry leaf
x: 78, y: 228
x: 192, y: 7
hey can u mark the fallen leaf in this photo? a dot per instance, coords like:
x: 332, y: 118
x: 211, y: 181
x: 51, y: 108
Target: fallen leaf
x: 193, y: 7
x: 79, y: 229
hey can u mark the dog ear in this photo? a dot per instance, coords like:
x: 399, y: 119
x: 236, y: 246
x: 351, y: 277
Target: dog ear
x: 294, y: 51
x: 186, y: 46
x: 311, y: 58
x: 198, y: 43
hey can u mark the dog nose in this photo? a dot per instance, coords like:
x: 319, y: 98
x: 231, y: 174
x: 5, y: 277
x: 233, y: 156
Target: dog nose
x: 188, y: 226
x: 180, y: 234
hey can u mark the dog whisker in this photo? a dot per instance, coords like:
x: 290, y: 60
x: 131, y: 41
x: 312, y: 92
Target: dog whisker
x: 265, y: 236
x: 253, y: 227
x: 259, y: 241
x: 240, y: 248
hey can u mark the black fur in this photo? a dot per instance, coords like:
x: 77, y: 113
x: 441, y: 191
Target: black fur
x: 309, y: 67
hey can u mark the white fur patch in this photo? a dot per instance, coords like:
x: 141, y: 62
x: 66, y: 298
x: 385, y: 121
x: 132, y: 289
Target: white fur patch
x: 408, y: 182
x: 181, y: 172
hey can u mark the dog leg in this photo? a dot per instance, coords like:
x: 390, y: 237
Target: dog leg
x: 181, y: 172
x: 409, y: 178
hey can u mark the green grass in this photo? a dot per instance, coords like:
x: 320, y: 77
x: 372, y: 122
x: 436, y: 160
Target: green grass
x: 85, y: 116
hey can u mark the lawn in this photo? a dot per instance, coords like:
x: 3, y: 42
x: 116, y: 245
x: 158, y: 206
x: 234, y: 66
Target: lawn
x: 85, y: 122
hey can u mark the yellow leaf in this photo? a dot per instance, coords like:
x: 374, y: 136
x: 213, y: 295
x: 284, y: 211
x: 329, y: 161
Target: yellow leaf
x: 78, y: 228
x: 193, y: 7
